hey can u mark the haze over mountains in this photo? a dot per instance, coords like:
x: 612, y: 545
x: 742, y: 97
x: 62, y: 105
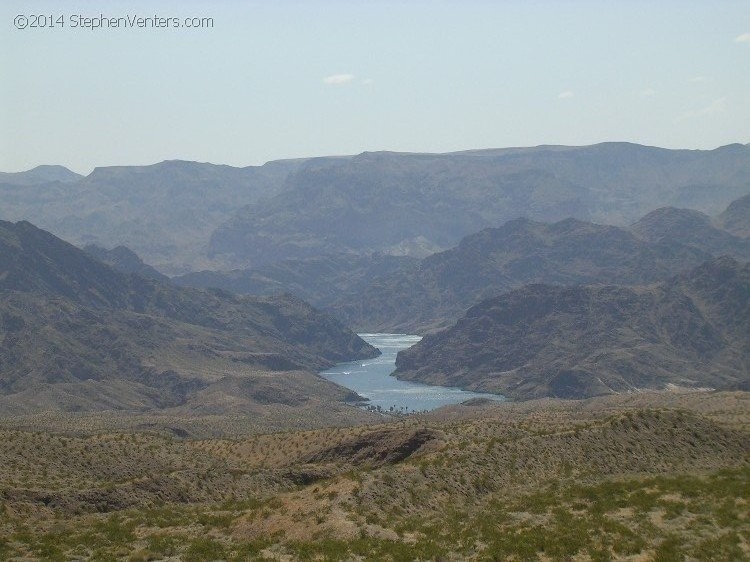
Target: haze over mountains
x: 320, y: 280
x: 402, y: 294
x: 362, y: 353
x: 40, y: 174
x: 416, y: 203
x: 186, y: 216
x: 358, y: 237
x: 125, y: 260
x: 736, y: 217
x: 165, y: 212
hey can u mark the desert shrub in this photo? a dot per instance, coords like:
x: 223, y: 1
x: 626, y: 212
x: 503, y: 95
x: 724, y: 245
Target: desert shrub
x: 669, y: 550
x: 242, y: 552
x: 49, y: 550
x: 723, y: 547
x: 204, y: 550
x: 164, y: 545
x: 115, y: 530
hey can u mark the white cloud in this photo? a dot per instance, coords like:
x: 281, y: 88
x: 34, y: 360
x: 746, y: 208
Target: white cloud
x: 565, y: 95
x: 716, y: 106
x: 647, y: 93
x: 744, y: 38
x: 699, y: 79
x: 368, y: 82
x: 338, y: 79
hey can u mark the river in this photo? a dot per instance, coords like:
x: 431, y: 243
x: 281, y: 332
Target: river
x: 371, y: 379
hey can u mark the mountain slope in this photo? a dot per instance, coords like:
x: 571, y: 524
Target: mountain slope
x: 125, y: 260
x: 397, y: 293
x: 434, y: 292
x: 67, y: 319
x: 736, y: 217
x: 576, y: 342
x: 319, y: 280
x: 693, y: 229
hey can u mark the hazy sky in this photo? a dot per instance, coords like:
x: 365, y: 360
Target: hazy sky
x: 288, y: 79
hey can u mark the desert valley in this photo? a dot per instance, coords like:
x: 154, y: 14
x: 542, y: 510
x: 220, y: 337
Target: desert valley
x: 163, y: 330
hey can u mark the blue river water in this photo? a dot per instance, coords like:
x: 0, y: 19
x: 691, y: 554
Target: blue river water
x: 370, y: 378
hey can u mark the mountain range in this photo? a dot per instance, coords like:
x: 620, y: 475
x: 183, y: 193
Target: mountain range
x: 356, y: 237
x: 695, y: 230
x: 187, y: 216
x: 377, y: 292
x: 582, y: 341
x: 76, y: 334
x: 165, y: 212
x: 417, y: 203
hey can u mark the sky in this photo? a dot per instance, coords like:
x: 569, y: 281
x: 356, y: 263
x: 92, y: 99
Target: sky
x: 286, y: 79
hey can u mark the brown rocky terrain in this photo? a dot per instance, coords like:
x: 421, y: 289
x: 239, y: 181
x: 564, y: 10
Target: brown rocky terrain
x: 76, y: 334
x: 575, y: 342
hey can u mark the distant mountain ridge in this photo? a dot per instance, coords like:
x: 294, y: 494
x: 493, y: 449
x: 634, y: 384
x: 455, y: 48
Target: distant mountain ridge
x: 582, y: 341
x: 381, y: 201
x: 189, y: 216
x: 40, y: 175
x: 434, y: 292
x: 164, y: 212
x: 77, y: 334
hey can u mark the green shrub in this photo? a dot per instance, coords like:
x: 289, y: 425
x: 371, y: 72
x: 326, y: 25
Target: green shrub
x: 204, y: 550
x: 669, y: 550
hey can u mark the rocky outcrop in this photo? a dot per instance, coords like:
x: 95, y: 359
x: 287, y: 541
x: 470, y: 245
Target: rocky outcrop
x: 379, y: 447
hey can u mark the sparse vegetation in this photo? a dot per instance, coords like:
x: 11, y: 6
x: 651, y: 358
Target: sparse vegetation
x: 659, y: 476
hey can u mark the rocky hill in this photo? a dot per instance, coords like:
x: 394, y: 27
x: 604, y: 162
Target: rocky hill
x: 40, y: 175
x: 693, y: 229
x: 125, y: 260
x: 736, y: 217
x: 651, y: 476
x: 581, y: 341
x: 77, y: 334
